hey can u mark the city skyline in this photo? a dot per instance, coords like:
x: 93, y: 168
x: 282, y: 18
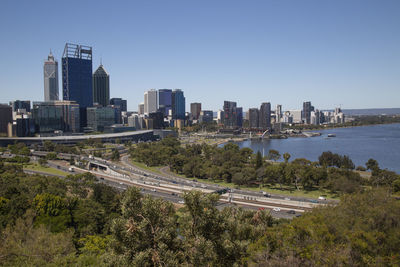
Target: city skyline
x: 267, y: 51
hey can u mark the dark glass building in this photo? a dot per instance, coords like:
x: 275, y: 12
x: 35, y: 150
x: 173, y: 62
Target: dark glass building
x: 165, y: 101
x: 5, y: 118
x: 56, y: 116
x: 306, y: 112
x: 253, y: 117
x: 157, y: 120
x: 233, y: 115
x: 206, y: 116
x: 122, y: 103
x: 195, y: 109
x: 265, y: 116
x: 178, y: 105
x: 19, y: 104
x: 77, y: 77
x: 101, y: 86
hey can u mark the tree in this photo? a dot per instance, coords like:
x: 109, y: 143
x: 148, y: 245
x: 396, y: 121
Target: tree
x: 286, y: 157
x: 362, y: 230
x: 259, y: 160
x: 146, y: 234
x: 115, y: 156
x: 23, y: 244
x: 372, y: 165
x: 43, y: 162
x: 51, y: 156
x: 273, y: 155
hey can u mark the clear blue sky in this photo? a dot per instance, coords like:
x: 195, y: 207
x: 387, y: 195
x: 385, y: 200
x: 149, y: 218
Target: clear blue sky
x: 285, y: 52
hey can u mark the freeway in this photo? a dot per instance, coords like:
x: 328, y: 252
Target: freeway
x: 170, y: 187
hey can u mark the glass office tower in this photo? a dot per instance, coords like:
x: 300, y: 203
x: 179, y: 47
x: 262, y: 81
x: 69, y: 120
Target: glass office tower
x: 178, y: 105
x: 101, y: 86
x: 77, y: 77
x: 164, y: 101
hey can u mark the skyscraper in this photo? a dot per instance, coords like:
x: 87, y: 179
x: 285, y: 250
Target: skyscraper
x: 5, y: 118
x: 77, y: 77
x: 265, y: 116
x: 50, y: 71
x: 150, y: 101
x: 306, y: 113
x: 278, y: 113
x: 195, y: 109
x: 164, y: 101
x: 122, y: 103
x: 232, y: 115
x: 253, y: 117
x: 101, y: 86
x: 141, y: 108
x: 178, y: 105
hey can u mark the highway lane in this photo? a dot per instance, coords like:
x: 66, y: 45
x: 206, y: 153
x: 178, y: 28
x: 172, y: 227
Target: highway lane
x: 254, y: 200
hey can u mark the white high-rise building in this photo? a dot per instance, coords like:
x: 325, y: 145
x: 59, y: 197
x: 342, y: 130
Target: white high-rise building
x: 141, y: 109
x: 278, y: 113
x: 50, y: 70
x: 150, y: 101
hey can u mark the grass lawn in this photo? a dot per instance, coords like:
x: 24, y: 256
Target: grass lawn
x: 145, y: 167
x: 37, y: 167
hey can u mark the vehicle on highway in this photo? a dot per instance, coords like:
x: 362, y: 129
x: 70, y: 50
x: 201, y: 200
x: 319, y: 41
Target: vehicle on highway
x: 181, y: 202
x: 291, y: 212
x: 71, y: 169
x: 322, y: 198
x: 153, y: 190
x: 276, y: 209
x: 267, y: 195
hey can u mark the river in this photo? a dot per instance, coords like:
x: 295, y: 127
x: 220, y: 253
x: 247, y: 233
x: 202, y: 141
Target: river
x: 380, y: 142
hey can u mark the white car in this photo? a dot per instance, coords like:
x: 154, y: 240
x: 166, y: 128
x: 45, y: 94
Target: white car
x: 181, y: 202
x: 321, y: 198
x: 276, y: 209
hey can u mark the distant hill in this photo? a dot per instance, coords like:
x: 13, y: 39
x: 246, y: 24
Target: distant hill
x: 372, y: 111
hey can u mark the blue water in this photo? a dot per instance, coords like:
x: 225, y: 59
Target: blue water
x: 380, y: 142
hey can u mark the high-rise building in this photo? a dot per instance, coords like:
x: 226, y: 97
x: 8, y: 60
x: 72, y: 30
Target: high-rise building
x: 21, y: 104
x: 306, y: 113
x: 253, y: 114
x: 77, y: 77
x: 232, y: 115
x: 122, y: 103
x: 278, y: 113
x: 56, y: 116
x: 239, y: 117
x: 150, y: 101
x: 265, y: 116
x: 195, y: 109
x: 101, y: 86
x: 220, y: 116
x: 157, y: 119
x: 50, y: 71
x: 5, y: 118
x: 206, y: 116
x: 178, y: 105
x: 141, y: 109
x: 100, y: 117
x: 165, y: 101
